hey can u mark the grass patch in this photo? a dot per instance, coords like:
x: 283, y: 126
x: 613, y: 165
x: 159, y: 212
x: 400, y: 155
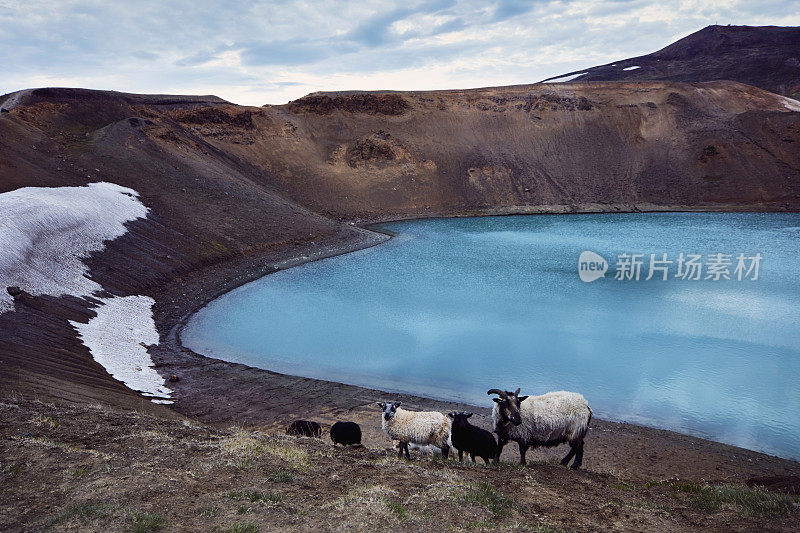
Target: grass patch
x: 481, y: 524
x: 45, y: 421
x: 83, y: 512
x: 747, y: 501
x: 238, y: 527
x: 78, y: 473
x: 13, y: 470
x: 398, y: 509
x: 209, y: 511
x: 622, y: 485
x: 486, y: 495
x: 243, y: 447
x: 281, y: 476
x: 144, y: 522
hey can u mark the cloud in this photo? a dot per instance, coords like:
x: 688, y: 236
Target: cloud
x: 259, y: 52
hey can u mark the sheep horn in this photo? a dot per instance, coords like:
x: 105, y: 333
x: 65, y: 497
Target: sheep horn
x: 496, y: 391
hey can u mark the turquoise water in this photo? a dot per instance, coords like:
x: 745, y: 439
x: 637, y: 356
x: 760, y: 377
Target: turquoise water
x: 452, y: 307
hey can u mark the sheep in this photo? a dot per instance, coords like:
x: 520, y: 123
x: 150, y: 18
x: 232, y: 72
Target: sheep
x: 425, y: 427
x: 547, y: 420
x: 428, y: 449
x: 471, y: 439
x: 345, y: 433
x: 304, y: 428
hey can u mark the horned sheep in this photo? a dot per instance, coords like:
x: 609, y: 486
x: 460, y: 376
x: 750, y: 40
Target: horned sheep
x: 547, y: 420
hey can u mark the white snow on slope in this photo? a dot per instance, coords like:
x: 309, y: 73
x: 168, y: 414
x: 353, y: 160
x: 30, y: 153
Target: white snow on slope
x: 632, y: 68
x: 45, y: 232
x: 563, y: 79
x: 117, y: 338
x: 790, y: 104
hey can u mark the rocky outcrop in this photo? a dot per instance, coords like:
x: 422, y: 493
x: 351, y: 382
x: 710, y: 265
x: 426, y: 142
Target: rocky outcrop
x: 374, y: 104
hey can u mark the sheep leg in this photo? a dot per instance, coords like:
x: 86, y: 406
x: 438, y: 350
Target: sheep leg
x: 572, y: 450
x: 408, y: 455
x: 578, y: 457
x: 472, y: 456
x: 486, y: 460
x: 400, y: 449
x: 522, y: 449
x: 501, y: 442
x: 445, y: 451
x: 460, y: 455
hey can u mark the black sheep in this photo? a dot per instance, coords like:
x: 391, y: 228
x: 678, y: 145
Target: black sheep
x: 304, y: 428
x: 345, y: 433
x: 471, y: 439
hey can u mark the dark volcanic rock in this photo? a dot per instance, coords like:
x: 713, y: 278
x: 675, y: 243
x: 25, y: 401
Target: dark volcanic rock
x: 376, y: 104
x: 763, y: 56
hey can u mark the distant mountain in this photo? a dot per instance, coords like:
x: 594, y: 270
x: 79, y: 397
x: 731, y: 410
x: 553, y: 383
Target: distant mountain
x: 764, y: 56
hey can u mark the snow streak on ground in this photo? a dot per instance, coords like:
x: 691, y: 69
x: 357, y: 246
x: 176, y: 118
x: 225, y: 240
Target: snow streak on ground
x: 563, y: 79
x: 117, y: 338
x: 791, y: 104
x: 45, y: 233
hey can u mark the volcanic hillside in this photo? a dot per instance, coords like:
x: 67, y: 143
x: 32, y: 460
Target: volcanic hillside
x: 767, y: 57
x: 223, y: 181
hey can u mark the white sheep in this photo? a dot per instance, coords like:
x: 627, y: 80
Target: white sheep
x: 547, y: 420
x: 421, y: 428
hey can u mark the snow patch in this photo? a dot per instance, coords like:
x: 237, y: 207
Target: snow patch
x: 632, y: 68
x: 565, y: 78
x: 790, y: 104
x: 118, y: 338
x: 45, y: 232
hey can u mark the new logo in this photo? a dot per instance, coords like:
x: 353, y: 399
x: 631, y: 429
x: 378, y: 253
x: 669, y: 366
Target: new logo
x: 591, y: 266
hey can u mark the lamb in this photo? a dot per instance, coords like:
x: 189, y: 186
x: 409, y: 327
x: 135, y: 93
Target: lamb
x: 345, y: 433
x: 423, y: 428
x: 428, y: 449
x: 547, y: 420
x: 304, y: 428
x: 471, y: 439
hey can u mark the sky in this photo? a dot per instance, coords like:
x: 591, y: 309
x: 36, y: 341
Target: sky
x: 259, y: 53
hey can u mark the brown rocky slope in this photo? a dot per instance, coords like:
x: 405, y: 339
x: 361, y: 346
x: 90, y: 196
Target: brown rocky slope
x: 236, y: 192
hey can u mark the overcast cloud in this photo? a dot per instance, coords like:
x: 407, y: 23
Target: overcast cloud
x: 272, y: 52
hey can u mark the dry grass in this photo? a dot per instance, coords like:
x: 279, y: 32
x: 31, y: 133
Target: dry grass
x: 243, y: 447
x: 104, y: 471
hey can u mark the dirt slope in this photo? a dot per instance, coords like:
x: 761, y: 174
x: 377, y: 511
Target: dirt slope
x: 763, y: 56
x: 82, y: 468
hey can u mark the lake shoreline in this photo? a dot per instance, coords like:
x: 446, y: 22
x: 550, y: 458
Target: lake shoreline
x: 221, y: 393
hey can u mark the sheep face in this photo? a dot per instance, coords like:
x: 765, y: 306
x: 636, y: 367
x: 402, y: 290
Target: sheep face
x: 389, y: 409
x: 508, y: 403
x: 460, y: 419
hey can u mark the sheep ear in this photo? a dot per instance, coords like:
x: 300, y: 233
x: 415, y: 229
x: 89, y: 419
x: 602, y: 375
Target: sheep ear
x: 498, y: 400
x: 523, y: 398
x: 469, y: 415
x: 451, y: 415
x: 382, y: 405
x: 397, y: 404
